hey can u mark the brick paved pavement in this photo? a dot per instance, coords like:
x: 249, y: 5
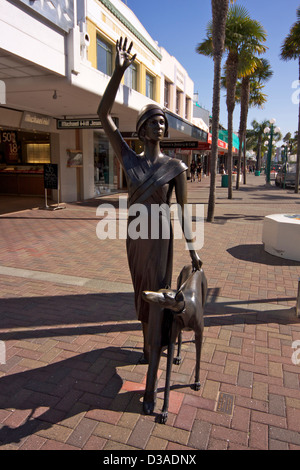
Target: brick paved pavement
x: 72, y: 379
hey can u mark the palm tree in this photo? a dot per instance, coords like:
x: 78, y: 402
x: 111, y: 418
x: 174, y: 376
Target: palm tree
x: 290, y: 49
x: 243, y: 36
x: 248, y: 93
x: 256, y: 139
x: 291, y: 142
x: 219, y: 15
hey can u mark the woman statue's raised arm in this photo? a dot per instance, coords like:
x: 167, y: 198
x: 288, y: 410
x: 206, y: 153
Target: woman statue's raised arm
x: 123, y: 61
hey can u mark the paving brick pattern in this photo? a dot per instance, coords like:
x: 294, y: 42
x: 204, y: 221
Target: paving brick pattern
x: 71, y: 378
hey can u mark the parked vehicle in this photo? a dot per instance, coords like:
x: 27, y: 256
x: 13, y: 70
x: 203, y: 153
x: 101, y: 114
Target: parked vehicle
x: 275, y: 168
x: 286, y: 176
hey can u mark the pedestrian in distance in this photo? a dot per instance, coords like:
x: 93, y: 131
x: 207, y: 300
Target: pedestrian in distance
x: 193, y: 171
x: 199, y: 170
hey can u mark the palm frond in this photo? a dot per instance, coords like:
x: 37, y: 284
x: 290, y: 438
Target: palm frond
x: 290, y: 48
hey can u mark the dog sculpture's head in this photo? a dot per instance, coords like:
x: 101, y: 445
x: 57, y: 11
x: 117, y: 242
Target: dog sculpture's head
x: 167, y: 298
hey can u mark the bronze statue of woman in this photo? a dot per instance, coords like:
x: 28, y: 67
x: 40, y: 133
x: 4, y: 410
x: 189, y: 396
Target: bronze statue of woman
x: 151, y: 177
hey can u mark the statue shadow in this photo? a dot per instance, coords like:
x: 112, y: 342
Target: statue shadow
x: 60, y: 391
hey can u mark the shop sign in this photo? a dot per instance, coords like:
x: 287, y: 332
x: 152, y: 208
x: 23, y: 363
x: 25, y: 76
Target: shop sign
x: 179, y: 145
x: 51, y: 176
x: 8, y: 147
x: 221, y: 143
x: 82, y: 123
x: 79, y: 124
x: 203, y: 146
x: 35, y: 121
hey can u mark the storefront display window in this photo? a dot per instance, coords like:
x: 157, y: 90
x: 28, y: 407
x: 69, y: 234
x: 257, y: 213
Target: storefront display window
x: 38, y: 153
x: 101, y: 162
x: 22, y: 155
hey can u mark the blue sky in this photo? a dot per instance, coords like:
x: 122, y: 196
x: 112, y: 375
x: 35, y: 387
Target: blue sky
x: 179, y: 26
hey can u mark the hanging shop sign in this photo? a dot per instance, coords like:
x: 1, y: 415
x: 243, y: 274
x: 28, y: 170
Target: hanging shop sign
x: 78, y: 124
x: 82, y: 123
x: 179, y: 145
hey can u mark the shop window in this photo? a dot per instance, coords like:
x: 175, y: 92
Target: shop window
x: 38, y: 153
x: 104, y: 56
x: 149, y: 86
x: 130, y: 77
x: 101, y: 160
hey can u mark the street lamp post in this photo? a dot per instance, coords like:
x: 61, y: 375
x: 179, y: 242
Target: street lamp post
x: 270, y: 131
x: 284, y: 148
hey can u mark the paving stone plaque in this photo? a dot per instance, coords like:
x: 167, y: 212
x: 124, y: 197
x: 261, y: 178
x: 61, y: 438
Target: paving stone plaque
x: 225, y: 403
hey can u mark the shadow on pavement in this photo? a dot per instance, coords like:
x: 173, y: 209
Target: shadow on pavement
x: 89, y: 381
x: 256, y: 254
x: 62, y: 390
x: 222, y: 219
x: 66, y: 315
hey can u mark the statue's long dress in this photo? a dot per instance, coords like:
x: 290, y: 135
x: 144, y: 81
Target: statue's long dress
x: 149, y: 258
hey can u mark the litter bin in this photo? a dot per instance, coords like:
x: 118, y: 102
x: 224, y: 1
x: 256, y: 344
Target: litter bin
x: 257, y: 173
x: 224, y: 181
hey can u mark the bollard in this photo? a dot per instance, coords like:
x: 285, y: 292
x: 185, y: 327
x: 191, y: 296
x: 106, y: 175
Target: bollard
x: 298, y: 300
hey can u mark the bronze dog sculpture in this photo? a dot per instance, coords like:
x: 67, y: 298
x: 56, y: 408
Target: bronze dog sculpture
x: 185, y: 307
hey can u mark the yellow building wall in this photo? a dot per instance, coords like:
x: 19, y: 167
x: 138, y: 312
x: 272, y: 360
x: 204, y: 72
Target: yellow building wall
x: 93, y: 30
x: 157, y: 89
x: 92, y: 49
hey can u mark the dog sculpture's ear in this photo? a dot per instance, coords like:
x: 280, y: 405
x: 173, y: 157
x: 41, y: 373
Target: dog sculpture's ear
x: 179, y: 296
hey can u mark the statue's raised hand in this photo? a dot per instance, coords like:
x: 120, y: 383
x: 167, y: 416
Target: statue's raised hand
x: 123, y: 59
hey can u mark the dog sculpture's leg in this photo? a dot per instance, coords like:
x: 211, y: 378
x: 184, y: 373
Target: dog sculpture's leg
x: 198, y: 341
x: 151, y: 383
x: 177, y: 359
x: 164, y: 414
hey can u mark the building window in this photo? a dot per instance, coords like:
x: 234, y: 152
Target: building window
x: 130, y: 77
x: 167, y: 94
x: 149, y: 86
x: 104, y: 56
x: 187, y: 108
x: 178, y: 100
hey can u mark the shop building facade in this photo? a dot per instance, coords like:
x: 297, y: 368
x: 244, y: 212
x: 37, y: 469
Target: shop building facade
x: 56, y: 59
